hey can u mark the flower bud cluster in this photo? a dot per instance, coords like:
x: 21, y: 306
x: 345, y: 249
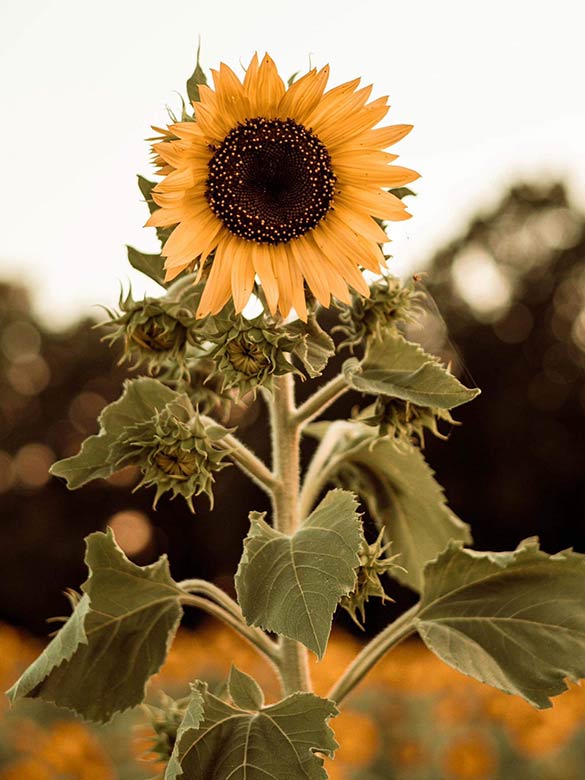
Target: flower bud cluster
x: 176, y: 451
x: 405, y: 421
x: 373, y: 563
x: 390, y: 302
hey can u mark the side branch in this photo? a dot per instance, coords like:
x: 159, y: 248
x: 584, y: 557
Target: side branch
x: 372, y: 653
x: 249, y: 463
x: 319, y: 401
x: 255, y: 636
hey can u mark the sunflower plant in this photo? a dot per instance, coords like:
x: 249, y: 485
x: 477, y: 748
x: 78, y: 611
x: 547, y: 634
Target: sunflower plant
x: 280, y: 195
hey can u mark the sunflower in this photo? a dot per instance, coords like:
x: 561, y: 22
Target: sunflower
x: 282, y: 184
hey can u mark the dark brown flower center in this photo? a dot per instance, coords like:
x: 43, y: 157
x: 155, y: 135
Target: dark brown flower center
x: 270, y: 181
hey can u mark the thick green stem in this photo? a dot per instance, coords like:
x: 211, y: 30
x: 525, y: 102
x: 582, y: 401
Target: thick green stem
x: 372, y: 653
x: 286, y: 467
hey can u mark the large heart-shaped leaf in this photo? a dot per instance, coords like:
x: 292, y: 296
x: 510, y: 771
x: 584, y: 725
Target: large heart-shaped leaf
x: 115, y: 640
x: 292, y: 584
x: 513, y: 620
x: 219, y: 741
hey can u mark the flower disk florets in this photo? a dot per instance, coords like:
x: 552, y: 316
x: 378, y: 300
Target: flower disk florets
x: 270, y: 180
x: 248, y: 353
x: 176, y: 451
x: 390, y: 303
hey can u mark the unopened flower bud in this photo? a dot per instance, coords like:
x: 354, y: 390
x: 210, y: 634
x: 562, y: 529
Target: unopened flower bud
x: 404, y: 421
x: 248, y: 353
x: 175, y: 450
x: 373, y: 563
x: 390, y: 302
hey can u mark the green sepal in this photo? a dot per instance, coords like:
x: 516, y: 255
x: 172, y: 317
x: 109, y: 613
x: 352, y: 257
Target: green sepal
x: 513, y: 620
x: 292, y: 584
x: 398, y: 488
x: 398, y: 368
x: 117, y: 637
x: 219, y: 741
x: 195, y: 79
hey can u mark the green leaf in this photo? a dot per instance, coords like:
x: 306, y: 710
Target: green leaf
x: 115, y: 640
x: 315, y: 349
x: 512, y: 620
x: 138, y: 403
x: 399, y: 489
x: 150, y: 265
x: 292, y: 584
x: 278, y: 742
x: 195, y: 79
x: 398, y: 368
x: 244, y: 691
x: 146, y: 188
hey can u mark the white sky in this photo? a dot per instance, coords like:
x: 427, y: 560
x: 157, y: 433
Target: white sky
x: 494, y: 89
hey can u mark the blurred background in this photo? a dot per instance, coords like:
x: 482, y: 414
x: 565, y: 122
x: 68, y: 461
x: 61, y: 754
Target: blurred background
x: 495, y: 95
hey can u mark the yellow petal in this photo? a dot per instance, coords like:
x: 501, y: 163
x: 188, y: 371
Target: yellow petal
x: 262, y: 261
x: 242, y: 273
x: 303, y: 96
x: 382, y: 137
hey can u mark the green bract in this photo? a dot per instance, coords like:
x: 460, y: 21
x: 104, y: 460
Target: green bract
x: 373, y: 563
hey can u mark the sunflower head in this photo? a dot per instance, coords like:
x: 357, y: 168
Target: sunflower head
x: 283, y: 185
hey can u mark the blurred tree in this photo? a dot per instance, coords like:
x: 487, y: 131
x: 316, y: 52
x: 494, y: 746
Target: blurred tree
x: 511, y: 292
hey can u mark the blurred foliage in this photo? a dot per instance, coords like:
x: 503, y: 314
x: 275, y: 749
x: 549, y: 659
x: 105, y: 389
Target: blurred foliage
x: 413, y: 718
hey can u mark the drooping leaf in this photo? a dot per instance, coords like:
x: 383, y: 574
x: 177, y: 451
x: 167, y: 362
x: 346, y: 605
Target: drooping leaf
x: 244, y: 691
x: 148, y: 264
x: 292, y: 584
x: 315, y: 349
x: 398, y: 487
x: 138, y: 403
x: 218, y: 741
x: 195, y: 79
x: 398, y: 368
x: 115, y: 640
x: 512, y: 620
